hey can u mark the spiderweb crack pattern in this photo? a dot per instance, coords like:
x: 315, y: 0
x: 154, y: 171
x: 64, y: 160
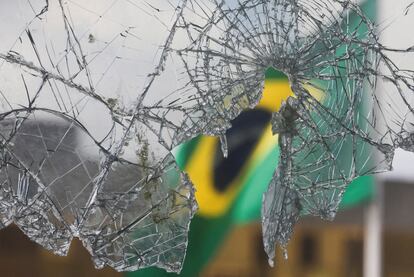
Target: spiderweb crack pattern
x: 332, y: 129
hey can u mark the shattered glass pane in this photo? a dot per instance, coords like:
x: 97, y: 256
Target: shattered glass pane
x: 85, y: 141
x: 94, y: 96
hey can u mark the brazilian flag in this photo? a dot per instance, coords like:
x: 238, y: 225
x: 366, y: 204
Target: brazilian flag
x: 229, y: 190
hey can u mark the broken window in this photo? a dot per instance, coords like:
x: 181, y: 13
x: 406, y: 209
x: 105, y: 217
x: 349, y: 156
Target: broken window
x: 94, y: 96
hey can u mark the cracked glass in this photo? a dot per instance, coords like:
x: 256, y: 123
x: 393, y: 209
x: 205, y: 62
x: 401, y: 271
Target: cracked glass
x: 96, y: 95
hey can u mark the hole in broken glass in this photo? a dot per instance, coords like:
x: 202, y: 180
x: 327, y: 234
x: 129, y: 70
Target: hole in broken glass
x: 218, y: 179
